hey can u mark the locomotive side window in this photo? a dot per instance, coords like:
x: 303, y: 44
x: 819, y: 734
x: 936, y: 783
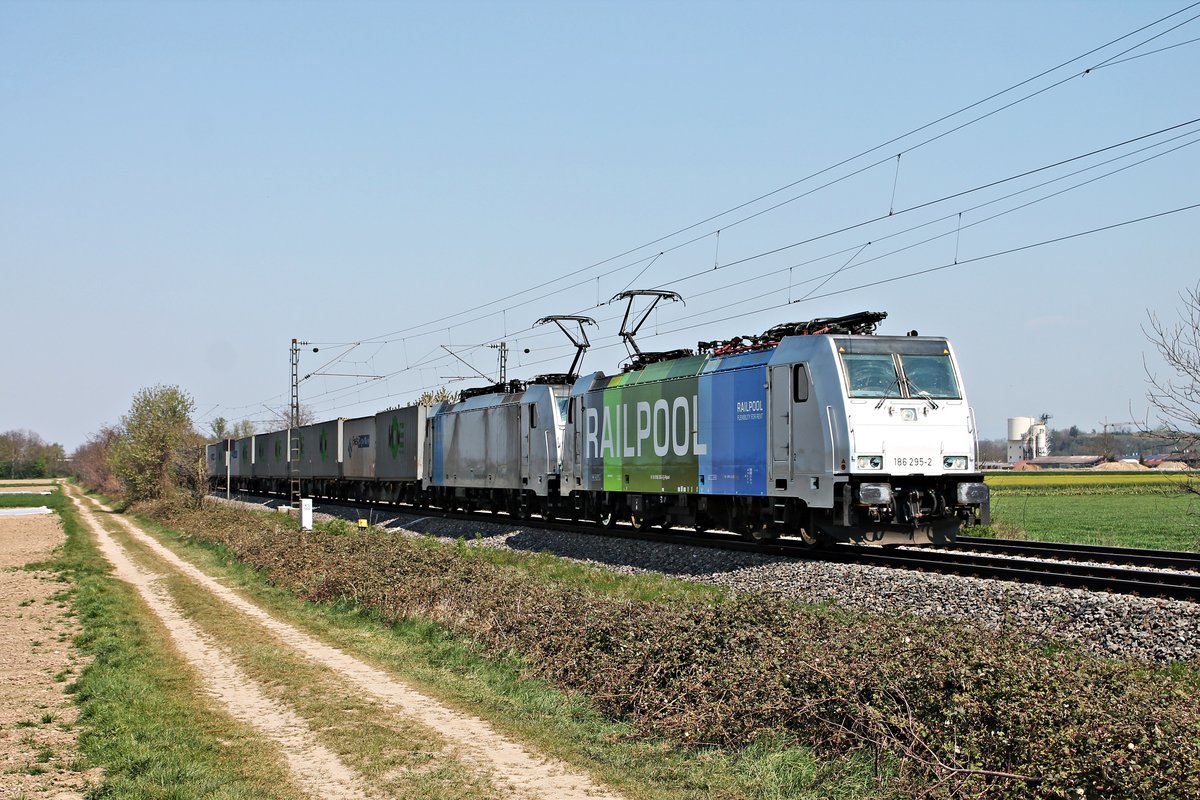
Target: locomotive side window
x: 799, y: 384
x: 533, y: 415
x: 871, y: 375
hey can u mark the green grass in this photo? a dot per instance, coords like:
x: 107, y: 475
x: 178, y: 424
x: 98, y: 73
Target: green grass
x: 142, y: 717
x: 1170, y: 522
x: 54, y: 500
x: 446, y: 666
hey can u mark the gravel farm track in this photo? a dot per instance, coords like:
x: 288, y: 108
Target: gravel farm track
x: 510, y: 768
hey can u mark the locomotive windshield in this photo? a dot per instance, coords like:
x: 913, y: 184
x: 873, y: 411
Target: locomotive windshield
x: 900, y: 375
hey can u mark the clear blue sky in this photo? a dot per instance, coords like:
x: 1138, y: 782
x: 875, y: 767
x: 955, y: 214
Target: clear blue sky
x: 184, y: 187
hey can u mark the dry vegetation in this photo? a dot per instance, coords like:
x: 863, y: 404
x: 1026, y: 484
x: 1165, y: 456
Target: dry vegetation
x: 961, y: 711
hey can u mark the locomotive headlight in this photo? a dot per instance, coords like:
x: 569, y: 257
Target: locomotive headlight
x: 973, y: 493
x: 875, y: 494
x: 869, y: 462
x: 954, y: 462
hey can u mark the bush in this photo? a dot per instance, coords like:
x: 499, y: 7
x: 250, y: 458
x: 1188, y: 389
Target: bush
x: 970, y: 712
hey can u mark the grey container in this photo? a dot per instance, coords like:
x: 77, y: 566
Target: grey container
x: 215, y: 459
x: 271, y: 455
x: 321, y: 450
x: 241, y: 457
x: 359, y: 444
x: 400, y: 443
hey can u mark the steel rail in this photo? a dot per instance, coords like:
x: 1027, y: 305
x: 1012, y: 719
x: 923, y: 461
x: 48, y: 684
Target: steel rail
x: 1164, y: 559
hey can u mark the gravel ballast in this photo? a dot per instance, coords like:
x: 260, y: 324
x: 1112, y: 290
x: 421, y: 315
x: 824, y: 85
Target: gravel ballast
x: 1112, y: 625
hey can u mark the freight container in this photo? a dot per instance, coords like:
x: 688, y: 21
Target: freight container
x: 321, y: 450
x: 359, y: 448
x: 272, y: 455
x: 400, y: 434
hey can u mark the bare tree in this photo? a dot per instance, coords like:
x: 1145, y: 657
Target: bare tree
x: 1176, y: 398
x: 243, y: 429
x: 439, y: 395
x: 91, y: 461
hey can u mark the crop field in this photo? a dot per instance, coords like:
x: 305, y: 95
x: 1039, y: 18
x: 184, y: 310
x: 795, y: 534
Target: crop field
x: 1137, y: 509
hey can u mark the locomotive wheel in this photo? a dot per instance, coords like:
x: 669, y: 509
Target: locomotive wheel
x: 813, y: 537
x: 608, y: 518
x: 760, y: 533
x: 639, y: 522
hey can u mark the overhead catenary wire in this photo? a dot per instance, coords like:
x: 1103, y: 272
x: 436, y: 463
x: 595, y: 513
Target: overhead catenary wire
x: 427, y: 360
x: 908, y: 275
x: 834, y: 166
x: 652, y: 259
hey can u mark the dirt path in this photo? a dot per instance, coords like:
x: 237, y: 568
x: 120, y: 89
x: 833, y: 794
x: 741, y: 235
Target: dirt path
x: 37, y: 737
x: 314, y: 767
x: 510, y: 765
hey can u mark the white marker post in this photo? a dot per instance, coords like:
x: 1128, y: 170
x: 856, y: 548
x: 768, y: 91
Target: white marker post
x: 306, y: 513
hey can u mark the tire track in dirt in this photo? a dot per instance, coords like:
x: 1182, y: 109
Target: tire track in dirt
x: 314, y: 767
x: 510, y: 765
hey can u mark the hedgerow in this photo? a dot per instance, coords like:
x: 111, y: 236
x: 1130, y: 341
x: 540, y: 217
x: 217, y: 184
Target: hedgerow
x: 969, y: 712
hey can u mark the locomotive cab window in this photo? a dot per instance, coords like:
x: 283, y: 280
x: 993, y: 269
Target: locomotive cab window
x: 799, y: 384
x: 930, y: 376
x: 871, y: 375
x: 901, y: 375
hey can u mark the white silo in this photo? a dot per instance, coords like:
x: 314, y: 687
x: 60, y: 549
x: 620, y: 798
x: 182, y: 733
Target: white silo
x: 1018, y: 431
x: 1027, y: 438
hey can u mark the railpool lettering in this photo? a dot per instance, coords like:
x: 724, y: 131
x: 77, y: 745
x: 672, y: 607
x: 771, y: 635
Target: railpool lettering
x: 665, y: 427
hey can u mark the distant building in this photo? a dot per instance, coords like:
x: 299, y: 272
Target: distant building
x: 1189, y: 457
x: 1028, y: 438
x: 1065, y: 462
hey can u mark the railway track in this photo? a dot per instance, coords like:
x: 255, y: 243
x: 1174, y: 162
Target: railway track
x: 1146, y: 573
x: 1156, y: 559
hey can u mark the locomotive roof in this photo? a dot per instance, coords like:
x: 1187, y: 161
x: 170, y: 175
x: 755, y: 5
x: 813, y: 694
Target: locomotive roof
x: 707, y: 363
x: 687, y: 367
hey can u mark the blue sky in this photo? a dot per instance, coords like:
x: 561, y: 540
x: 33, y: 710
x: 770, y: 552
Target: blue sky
x: 184, y: 187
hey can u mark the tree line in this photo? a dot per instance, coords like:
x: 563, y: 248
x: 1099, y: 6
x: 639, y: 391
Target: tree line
x: 156, y: 450
x: 25, y: 454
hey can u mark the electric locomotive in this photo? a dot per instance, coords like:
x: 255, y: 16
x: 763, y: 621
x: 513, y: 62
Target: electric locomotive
x: 818, y: 429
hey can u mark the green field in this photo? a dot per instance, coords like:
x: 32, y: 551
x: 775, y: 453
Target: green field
x: 1135, y: 509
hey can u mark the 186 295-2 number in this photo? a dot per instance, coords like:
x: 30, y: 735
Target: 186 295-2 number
x: 912, y: 461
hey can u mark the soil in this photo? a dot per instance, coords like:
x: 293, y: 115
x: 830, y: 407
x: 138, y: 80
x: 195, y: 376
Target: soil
x: 37, y: 739
x: 1120, y: 466
x: 510, y: 765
